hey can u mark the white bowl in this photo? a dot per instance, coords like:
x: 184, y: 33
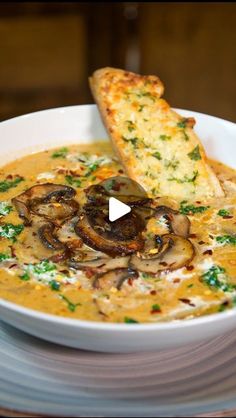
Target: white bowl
x: 82, y: 124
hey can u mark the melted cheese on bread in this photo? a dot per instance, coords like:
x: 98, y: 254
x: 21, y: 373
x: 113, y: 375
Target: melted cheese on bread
x: 157, y: 147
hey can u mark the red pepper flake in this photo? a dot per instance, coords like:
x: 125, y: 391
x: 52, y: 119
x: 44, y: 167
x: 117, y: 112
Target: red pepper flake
x: 193, y: 236
x: 201, y: 242
x: 163, y: 263
x: 176, y: 280
x: 187, y: 302
x: 210, y: 252
x: 89, y: 273
x: 189, y: 268
x: 12, y: 266
x: 198, y: 202
x: 9, y: 177
x: 121, y: 171
x: 227, y: 217
x: 130, y: 282
x: 153, y: 292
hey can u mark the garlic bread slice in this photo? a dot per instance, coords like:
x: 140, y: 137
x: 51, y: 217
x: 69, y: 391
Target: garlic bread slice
x: 157, y: 147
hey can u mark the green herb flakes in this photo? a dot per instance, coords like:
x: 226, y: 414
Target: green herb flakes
x: 191, y: 209
x: 25, y: 277
x: 216, y: 278
x: 195, y: 154
x: 71, y: 306
x: 156, y: 308
x: 9, y: 184
x: 73, y: 181
x: 55, y: 285
x: 185, y: 179
x: 5, y: 208
x: 61, y: 153
x: 223, y: 212
x: 226, y: 239
x: 182, y: 124
x: 165, y: 137
x: 10, y: 231
x: 4, y: 257
x: 157, y: 155
x: 128, y: 320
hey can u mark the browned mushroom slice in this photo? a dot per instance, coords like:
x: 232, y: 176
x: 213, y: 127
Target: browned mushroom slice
x: 48, y: 238
x: 56, y: 212
x: 114, y: 278
x: 176, y: 252
x: 125, y: 228
x: 109, y: 244
x: 102, y: 264
x: 42, y: 193
x: 125, y: 189
x: 178, y: 224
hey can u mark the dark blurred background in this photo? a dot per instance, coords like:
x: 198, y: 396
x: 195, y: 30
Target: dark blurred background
x: 47, y: 51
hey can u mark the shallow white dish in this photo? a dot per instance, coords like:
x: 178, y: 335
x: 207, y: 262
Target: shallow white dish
x: 55, y: 127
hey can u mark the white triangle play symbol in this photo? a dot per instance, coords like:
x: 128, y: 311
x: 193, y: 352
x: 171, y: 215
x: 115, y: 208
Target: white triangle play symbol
x: 117, y: 209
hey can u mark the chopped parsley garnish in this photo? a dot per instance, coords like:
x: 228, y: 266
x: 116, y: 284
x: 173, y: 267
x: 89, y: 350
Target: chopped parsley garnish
x: 43, y: 267
x: 133, y: 141
x: 10, y: 231
x: 182, y: 124
x: 156, y: 308
x: 25, y: 277
x: 165, y: 137
x: 215, y: 277
x: 61, y: 153
x: 5, y: 208
x: 190, y: 285
x: 186, y: 137
x: 71, y: 306
x: 128, y: 320
x: 185, y: 179
x: 91, y: 168
x: 55, y: 285
x: 172, y: 163
x: 73, y: 181
x: 191, y: 209
x: 140, y: 109
x: 157, y: 155
x: 4, y: 257
x: 131, y: 125
x: 195, y: 154
x: 146, y: 94
x: 226, y: 239
x: 223, y: 212
x: 9, y: 184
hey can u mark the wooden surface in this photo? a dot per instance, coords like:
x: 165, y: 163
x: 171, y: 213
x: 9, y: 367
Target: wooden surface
x: 47, y: 51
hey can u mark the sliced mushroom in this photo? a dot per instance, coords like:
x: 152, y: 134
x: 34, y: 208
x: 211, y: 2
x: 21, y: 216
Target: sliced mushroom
x: 176, y: 252
x: 125, y: 189
x: 125, y: 228
x: 56, y: 211
x: 48, y: 238
x: 109, y: 244
x: 178, y: 224
x: 102, y: 264
x: 114, y: 278
x: 41, y: 193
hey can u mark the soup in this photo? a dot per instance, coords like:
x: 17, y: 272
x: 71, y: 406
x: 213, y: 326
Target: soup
x: 182, y: 265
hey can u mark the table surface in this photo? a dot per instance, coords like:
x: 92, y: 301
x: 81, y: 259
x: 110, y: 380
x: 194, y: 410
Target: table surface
x: 8, y: 413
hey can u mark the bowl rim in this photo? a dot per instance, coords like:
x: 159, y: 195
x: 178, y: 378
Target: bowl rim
x: 112, y: 326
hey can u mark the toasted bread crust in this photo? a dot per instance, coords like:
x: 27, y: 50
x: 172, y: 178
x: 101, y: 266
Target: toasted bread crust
x: 157, y: 147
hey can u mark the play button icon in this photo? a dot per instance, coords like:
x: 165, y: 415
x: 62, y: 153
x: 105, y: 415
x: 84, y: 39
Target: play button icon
x: 117, y: 209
